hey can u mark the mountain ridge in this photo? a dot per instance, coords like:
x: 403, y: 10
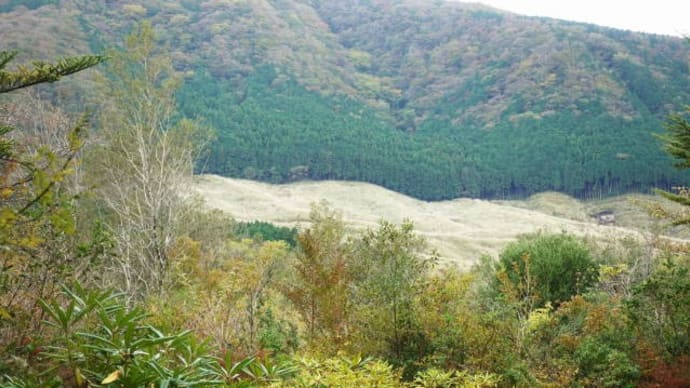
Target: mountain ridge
x: 430, y: 98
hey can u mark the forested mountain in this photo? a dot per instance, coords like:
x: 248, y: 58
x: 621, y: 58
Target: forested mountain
x: 434, y: 99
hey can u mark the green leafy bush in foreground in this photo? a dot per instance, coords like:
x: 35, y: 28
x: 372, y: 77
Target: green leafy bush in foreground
x: 547, y: 268
x: 98, y: 340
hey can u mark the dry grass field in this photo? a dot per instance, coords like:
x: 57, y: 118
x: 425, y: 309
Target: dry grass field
x: 460, y: 230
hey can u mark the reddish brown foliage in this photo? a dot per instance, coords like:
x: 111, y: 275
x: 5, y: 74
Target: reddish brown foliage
x: 660, y: 373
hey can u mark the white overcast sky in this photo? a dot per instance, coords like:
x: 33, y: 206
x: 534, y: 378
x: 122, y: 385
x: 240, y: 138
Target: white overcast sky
x: 669, y: 17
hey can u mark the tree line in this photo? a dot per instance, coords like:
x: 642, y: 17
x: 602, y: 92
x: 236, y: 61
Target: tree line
x: 272, y: 129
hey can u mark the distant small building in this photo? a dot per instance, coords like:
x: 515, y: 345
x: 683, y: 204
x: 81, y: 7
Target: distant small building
x: 606, y: 217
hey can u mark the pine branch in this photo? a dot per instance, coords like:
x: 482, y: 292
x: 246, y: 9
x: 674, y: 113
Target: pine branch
x: 6, y: 144
x: 41, y: 71
x: 683, y: 200
x: 78, y: 129
x: 677, y: 140
x: 6, y: 57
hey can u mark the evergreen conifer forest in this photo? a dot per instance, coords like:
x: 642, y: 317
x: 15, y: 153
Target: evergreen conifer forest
x: 113, y: 272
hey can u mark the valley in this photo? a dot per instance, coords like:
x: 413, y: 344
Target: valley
x: 460, y: 230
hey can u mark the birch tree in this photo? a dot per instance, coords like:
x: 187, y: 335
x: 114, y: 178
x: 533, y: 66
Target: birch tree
x: 143, y: 166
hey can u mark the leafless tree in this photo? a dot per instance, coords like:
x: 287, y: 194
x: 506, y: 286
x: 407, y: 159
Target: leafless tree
x: 144, y: 164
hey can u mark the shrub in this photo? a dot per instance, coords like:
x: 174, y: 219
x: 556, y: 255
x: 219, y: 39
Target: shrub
x: 603, y: 366
x: 267, y: 232
x: 436, y: 378
x: 344, y: 371
x: 660, y: 306
x: 98, y: 340
x: 546, y: 268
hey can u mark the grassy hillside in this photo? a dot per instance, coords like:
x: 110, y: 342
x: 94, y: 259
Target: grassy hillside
x: 461, y: 230
x: 433, y: 99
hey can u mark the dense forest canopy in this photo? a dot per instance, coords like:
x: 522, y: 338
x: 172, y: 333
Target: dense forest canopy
x: 430, y: 98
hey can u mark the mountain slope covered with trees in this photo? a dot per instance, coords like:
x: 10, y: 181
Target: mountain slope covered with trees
x: 430, y: 98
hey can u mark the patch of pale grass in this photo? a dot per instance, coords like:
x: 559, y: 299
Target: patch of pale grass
x: 631, y: 211
x: 460, y: 230
x: 554, y: 204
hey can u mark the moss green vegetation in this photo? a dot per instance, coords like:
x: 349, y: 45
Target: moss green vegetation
x: 266, y: 231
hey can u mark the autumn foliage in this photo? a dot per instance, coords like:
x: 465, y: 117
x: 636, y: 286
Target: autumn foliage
x: 161, y: 291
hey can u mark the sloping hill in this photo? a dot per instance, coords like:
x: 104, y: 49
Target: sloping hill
x: 435, y: 99
x: 461, y: 230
